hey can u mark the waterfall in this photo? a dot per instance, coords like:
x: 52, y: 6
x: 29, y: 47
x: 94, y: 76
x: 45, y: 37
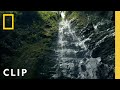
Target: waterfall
x: 72, y: 60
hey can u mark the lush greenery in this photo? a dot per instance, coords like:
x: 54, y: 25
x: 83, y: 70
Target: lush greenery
x: 31, y: 44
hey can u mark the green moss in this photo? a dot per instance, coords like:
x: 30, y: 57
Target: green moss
x: 31, y: 42
x: 79, y: 18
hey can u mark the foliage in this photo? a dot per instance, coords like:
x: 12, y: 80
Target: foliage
x: 30, y: 44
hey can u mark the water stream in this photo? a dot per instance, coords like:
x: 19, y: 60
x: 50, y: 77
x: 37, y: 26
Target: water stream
x: 73, y: 57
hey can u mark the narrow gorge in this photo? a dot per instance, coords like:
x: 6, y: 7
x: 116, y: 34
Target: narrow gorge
x: 60, y: 44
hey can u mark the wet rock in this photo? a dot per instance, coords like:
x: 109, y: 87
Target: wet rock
x: 81, y: 54
x: 94, y: 46
x: 83, y: 67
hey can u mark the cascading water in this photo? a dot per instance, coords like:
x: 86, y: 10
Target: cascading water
x: 69, y: 63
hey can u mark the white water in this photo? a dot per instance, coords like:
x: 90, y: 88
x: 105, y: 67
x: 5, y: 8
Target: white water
x: 69, y: 63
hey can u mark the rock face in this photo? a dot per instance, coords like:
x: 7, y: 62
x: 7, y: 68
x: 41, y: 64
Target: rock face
x: 59, y: 45
x: 86, y: 52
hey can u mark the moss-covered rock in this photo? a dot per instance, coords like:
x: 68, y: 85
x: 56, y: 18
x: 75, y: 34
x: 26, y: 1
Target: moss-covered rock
x: 30, y: 45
